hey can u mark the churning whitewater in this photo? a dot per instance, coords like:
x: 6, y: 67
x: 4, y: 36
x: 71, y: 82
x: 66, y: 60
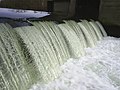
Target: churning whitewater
x: 98, y: 70
x: 40, y: 53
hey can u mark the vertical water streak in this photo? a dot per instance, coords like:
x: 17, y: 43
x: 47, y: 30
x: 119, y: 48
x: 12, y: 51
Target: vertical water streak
x: 101, y: 28
x: 89, y: 38
x: 12, y: 69
x: 54, y: 42
x: 59, y: 38
x: 73, y: 40
x: 43, y: 30
x: 91, y: 30
x: 97, y: 29
x: 75, y: 27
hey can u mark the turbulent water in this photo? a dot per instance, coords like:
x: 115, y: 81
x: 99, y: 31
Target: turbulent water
x: 35, y: 53
x: 98, y: 70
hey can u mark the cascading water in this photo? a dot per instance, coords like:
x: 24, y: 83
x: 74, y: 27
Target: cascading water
x: 35, y: 53
x: 99, y: 69
x: 13, y: 73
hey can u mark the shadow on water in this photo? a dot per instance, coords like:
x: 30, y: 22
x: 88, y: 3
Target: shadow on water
x: 112, y: 30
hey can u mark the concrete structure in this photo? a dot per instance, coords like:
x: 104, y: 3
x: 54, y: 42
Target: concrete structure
x: 25, y: 4
x: 110, y: 11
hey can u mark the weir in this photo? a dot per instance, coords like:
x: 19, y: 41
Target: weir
x: 35, y: 53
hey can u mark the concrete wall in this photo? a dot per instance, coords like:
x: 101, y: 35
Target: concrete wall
x: 65, y: 7
x: 61, y: 8
x: 110, y: 11
x: 25, y: 4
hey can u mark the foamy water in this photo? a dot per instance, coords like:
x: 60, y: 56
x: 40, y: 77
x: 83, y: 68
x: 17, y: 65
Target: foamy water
x: 98, y: 70
x: 32, y: 54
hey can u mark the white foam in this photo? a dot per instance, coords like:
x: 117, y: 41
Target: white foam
x: 98, y: 70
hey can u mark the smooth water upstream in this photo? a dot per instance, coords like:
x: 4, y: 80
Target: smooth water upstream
x: 35, y: 53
